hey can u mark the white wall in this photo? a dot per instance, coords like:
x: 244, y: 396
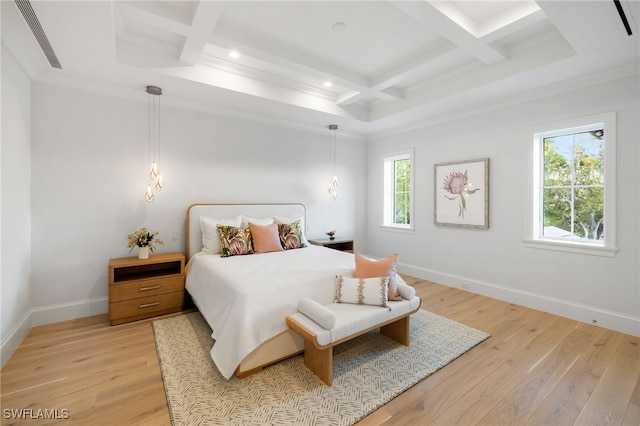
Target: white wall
x: 90, y: 170
x: 495, y: 262
x: 16, y: 206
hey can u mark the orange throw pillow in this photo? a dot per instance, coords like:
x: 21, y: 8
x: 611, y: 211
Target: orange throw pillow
x: 369, y: 268
x: 265, y: 239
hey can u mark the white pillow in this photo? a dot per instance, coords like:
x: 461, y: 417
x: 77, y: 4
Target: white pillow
x: 363, y: 291
x: 256, y: 221
x: 287, y: 220
x: 317, y: 312
x: 210, y: 237
x: 406, y: 291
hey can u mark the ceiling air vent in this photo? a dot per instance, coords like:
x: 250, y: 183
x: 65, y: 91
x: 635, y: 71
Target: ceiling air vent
x: 623, y: 17
x: 32, y: 20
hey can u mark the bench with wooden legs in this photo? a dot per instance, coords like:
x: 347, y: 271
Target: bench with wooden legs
x: 350, y: 321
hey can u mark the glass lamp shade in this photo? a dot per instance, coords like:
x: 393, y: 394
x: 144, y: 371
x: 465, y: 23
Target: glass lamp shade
x: 159, y: 182
x: 332, y: 188
x: 148, y: 196
x: 153, y: 174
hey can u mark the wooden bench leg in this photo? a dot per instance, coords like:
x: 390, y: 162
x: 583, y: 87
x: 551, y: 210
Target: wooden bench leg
x: 320, y: 361
x: 398, y: 330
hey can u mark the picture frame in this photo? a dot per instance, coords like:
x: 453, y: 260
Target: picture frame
x: 461, y: 193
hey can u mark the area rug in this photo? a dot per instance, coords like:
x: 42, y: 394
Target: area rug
x: 368, y: 372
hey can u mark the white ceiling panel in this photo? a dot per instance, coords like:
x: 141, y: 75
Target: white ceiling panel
x: 389, y: 63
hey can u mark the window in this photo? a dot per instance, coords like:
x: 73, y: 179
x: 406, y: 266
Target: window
x: 572, y: 197
x: 398, y: 190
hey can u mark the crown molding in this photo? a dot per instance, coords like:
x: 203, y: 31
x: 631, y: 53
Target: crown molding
x: 618, y: 73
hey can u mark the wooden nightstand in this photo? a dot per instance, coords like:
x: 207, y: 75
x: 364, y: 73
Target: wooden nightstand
x: 342, y: 244
x: 143, y: 288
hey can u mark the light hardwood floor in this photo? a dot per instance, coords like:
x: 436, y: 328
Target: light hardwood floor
x: 536, y: 368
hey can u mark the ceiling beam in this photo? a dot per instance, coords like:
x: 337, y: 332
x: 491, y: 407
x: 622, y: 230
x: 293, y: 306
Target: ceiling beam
x: 436, y: 20
x: 206, y: 17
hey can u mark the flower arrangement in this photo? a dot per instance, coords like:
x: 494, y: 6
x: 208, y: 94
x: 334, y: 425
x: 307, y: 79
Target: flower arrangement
x: 144, y: 238
x: 457, y: 185
x: 331, y: 234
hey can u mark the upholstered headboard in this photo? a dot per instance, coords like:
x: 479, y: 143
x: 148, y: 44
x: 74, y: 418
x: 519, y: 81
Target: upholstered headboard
x: 223, y: 211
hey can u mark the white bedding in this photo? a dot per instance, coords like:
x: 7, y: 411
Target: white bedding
x: 245, y: 299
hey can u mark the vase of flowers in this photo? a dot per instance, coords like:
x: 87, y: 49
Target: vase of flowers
x: 145, y: 241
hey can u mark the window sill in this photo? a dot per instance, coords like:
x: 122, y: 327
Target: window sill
x: 572, y: 247
x: 399, y: 229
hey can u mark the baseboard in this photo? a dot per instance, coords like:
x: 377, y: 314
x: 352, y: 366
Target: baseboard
x: 565, y: 308
x: 70, y: 310
x: 16, y: 335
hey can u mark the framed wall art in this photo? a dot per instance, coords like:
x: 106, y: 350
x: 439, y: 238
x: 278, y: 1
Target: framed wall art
x: 461, y: 193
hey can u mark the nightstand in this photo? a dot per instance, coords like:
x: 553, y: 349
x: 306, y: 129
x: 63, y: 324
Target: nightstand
x: 144, y: 288
x: 342, y: 244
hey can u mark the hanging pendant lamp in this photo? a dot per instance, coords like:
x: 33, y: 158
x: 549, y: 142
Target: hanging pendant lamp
x: 332, y: 187
x: 157, y: 180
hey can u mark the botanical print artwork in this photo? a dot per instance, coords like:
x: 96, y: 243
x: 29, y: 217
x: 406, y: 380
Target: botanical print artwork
x: 456, y: 184
x: 461, y: 193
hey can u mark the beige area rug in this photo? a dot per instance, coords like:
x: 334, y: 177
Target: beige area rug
x: 368, y: 372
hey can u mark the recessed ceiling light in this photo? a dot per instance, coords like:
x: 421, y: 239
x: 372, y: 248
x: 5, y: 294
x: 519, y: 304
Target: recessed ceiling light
x: 234, y: 54
x: 327, y: 83
x: 339, y: 26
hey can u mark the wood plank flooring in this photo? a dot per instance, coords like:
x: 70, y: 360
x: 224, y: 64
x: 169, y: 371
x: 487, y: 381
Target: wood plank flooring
x: 535, y: 369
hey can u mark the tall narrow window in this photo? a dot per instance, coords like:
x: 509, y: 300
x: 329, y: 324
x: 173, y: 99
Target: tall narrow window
x: 398, y: 190
x: 573, y: 187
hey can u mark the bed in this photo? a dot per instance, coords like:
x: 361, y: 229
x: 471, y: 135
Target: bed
x: 246, y: 298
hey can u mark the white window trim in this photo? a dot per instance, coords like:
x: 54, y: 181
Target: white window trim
x: 387, y: 207
x: 532, y: 187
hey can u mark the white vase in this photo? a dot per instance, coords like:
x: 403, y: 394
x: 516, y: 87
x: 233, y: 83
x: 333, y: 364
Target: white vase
x: 143, y: 252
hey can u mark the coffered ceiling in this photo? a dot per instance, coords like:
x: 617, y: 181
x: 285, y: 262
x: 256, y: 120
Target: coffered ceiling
x: 369, y: 66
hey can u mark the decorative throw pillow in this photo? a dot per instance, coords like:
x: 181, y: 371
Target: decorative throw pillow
x: 369, y: 268
x: 317, y: 312
x: 210, y: 237
x: 265, y: 239
x: 290, y: 235
x: 363, y: 291
x: 234, y: 241
x: 292, y: 219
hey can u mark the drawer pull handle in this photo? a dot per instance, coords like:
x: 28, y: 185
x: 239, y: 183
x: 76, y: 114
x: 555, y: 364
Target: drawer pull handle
x: 151, y: 287
x: 148, y: 305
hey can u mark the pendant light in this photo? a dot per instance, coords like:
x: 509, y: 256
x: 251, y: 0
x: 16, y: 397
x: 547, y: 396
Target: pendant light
x: 157, y: 180
x: 333, y: 183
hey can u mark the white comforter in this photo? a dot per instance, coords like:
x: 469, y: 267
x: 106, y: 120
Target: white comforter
x: 245, y: 298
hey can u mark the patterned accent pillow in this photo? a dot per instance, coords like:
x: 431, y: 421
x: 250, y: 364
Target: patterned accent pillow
x: 291, y: 235
x: 363, y: 291
x: 234, y: 241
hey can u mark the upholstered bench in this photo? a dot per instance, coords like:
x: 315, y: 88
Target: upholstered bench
x: 324, y: 326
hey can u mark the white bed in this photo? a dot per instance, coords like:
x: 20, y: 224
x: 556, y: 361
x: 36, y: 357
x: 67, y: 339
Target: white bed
x: 245, y: 299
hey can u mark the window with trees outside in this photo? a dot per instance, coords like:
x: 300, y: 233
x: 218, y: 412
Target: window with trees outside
x: 398, y: 190
x: 573, y: 188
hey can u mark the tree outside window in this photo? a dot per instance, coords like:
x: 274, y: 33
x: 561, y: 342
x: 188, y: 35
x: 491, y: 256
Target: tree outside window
x: 573, y: 187
x: 402, y: 199
x: 571, y: 201
x: 398, y: 190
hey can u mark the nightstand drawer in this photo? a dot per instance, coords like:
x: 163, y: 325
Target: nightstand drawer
x: 141, y: 307
x: 145, y: 288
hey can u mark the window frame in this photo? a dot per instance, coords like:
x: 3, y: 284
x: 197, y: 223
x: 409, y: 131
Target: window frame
x: 534, y: 183
x: 388, y: 162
